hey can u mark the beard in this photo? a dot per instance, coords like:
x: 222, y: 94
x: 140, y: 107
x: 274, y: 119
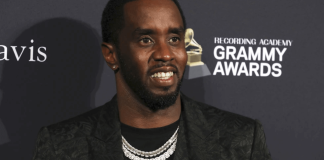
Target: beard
x: 153, y: 101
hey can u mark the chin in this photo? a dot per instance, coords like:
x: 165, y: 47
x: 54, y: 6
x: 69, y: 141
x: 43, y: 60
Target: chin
x: 164, y: 91
x: 159, y: 100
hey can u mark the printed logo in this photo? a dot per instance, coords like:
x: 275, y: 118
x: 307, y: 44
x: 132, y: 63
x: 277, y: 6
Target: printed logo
x: 195, y: 67
x: 249, y: 57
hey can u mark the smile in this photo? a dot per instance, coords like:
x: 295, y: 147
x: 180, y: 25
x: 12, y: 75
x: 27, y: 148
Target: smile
x: 162, y: 75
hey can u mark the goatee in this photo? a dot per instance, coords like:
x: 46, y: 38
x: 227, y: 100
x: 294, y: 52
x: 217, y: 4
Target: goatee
x: 153, y: 101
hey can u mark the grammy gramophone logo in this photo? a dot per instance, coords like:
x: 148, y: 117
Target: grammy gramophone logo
x: 195, y: 67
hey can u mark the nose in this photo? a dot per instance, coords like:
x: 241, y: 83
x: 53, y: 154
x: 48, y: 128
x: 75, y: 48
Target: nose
x: 163, y: 52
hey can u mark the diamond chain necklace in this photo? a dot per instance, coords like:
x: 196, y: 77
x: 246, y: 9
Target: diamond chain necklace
x: 158, y: 154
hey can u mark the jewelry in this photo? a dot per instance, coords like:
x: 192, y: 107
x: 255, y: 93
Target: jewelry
x: 165, y: 151
x: 114, y: 66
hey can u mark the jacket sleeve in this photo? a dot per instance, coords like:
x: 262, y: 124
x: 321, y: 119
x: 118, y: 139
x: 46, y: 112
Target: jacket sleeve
x: 259, y: 146
x: 44, y: 146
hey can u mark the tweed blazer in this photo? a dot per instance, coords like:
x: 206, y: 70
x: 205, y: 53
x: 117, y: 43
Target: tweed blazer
x: 205, y: 133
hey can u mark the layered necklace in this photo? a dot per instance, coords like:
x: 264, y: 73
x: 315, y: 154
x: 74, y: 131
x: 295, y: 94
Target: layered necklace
x: 162, y: 153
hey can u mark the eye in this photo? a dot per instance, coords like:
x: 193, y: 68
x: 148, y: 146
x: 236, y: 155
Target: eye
x: 146, y: 40
x: 174, y: 40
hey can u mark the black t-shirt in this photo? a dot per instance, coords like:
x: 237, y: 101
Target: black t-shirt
x: 148, y: 139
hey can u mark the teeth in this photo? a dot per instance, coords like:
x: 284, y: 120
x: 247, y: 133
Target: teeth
x: 163, y: 75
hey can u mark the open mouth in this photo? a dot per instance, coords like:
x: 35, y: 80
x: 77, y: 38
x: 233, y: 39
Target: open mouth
x: 162, y: 75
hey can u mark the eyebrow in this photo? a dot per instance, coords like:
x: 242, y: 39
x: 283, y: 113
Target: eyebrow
x: 178, y: 30
x: 142, y: 31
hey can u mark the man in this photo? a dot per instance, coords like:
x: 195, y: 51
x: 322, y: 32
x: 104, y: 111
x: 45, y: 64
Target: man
x: 143, y: 42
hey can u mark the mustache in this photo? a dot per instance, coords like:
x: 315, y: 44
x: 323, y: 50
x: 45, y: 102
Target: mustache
x: 162, y: 65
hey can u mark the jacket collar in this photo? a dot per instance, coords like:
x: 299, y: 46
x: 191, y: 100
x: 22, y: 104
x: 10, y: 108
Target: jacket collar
x: 194, y: 118
x: 193, y: 136
x: 108, y: 123
x: 197, y: 138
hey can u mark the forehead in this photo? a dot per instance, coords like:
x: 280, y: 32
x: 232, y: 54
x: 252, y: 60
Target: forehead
x: 152, y: 13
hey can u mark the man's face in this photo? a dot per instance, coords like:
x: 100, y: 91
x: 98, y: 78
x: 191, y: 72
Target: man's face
x: 152, y: 44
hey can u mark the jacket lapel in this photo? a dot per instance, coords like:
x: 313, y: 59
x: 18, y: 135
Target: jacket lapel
x: 108, y: 134
x: 197, y: 139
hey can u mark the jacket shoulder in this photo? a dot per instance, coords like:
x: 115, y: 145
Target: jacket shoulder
x: 219, y: 117
x: 211, y: 112
x: 238, y: 136
x: 81, y: 125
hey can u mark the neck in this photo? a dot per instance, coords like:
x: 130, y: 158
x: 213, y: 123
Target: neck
x: 133, y: 112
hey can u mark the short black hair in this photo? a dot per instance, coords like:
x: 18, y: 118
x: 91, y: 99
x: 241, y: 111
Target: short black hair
x: 112, y: 20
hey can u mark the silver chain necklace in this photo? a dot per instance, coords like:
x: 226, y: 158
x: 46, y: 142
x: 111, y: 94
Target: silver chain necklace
x: 162, y: 153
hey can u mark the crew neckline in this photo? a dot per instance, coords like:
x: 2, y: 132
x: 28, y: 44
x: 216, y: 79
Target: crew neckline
x: 155, y: 132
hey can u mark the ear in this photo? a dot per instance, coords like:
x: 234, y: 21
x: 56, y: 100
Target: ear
x: 109, y: 53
